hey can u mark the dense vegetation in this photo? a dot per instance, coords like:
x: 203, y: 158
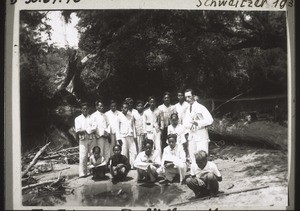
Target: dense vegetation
x: 139, y: 53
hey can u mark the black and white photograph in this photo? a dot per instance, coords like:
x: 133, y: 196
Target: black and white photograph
x: 143, y: 109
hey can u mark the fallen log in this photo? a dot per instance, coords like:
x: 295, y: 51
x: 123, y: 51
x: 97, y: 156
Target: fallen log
x: 259, y: 132
x: 221, y: 194
x: 35, y: 159
x: 38, y: 184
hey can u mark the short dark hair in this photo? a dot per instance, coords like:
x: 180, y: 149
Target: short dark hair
x: 84, y: 104
x: 129, y: 100
x: 140, y: 101
x: 174, y: 114
x: 119, y: 146
x: 189, y: 90
x: 95, y: 148
x: 201, y: 155
x: 167, y: 93
x: 148, y: 141
x: 151, y: 97
x: 113, y: 101
x: 98, y: 101
x: 172, y: 135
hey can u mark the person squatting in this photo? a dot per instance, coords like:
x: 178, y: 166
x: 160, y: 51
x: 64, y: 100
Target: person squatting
x: 164, y: 140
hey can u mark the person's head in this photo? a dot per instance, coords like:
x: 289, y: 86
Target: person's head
x: 117, y: 149
x: 96, y: 152
x: 167, y: 98
x: 113, y: 105
x: 124, y: 108
x: 148, y: 146
x: 174, y: 119
x: 180, y: 96
x: 152, y: 102
x: 139, y: 106
x: 99, y: 106
x: 129, y: 100
x: 85, y: 108
x: 172, y: 140
x: 189, y: 96
x: 201, y: 159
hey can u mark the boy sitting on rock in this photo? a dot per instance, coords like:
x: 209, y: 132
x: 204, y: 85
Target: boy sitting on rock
x: 204, y: 176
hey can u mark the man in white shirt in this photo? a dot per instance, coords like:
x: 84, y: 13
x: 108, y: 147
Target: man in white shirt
x: 112, y: 116
x: 153, y: 124
x: 138, y: 122
x: 204, y: 176
x: 85, y: 133
x: 173, y: 161
x: 166, y: 110
x: 102, y: 130
x: 147, y: 162
x: 181, y: 106
x: 125, y: 133
x: 196, y: 120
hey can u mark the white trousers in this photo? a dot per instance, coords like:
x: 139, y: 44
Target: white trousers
x: 129, y: 148
x: 156, y: 137
x: 85, y: 148
x: 196, y: 146
x: 170, y: 173
x: 105, y: 147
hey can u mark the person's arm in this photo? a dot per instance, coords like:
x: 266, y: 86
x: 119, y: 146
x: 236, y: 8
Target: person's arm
x: 156, y: 160
x: 107, y: 125
x: 216, y: 172
x: 204, y: 117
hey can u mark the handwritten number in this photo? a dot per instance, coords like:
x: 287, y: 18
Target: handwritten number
x: 291, y: 3
x: 13, y: 1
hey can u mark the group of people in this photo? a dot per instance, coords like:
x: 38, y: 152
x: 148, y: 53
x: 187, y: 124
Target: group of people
x: 155, y: 141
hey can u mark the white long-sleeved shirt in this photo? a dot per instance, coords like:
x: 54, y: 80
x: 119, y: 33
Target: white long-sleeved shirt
x: 180, y: 131
x: 202, y: 116
x: 181, y: 109
x: 83, y: 123
x: 112, y: 120
x: 100, y: 121
x: 176, y: 155
x: 125, y: 126
x: 142, y: 161
x: 138, y: 122
x: 166, y: 113
x: 152, y: 120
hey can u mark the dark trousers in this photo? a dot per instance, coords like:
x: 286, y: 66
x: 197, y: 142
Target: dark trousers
x: 164, y: 135
x: 210, y: 186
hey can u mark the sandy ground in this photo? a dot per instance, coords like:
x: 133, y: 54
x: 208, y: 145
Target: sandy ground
x: 242, y: 167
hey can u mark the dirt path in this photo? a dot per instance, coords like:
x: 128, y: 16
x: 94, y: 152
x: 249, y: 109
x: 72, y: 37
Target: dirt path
x: 242, y: 167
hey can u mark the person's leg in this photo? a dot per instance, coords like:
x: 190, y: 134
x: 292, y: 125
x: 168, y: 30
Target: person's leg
x: 192, y: 150
x: 170, y: 173
x: 113, y: 142
x: 83, y: 157
x: 132, y: 150
x: 140, y: 140
x: 202, y: 145
x: 157, y: 142
x: 164, y: 134
x: 194, y: 185
x: 182, y: 171
x: 152, y: 173
x: 141, y: 174
x: 212, y: 184
x: 125, y: 149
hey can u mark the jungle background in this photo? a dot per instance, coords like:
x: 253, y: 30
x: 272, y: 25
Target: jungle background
x: 138, y: 53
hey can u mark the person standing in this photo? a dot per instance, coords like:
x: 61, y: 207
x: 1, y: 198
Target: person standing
x: 153, y: 124
x: 85, y: 134
x: 181, y: 106
x: 196, y: 120
x: 112, y: 116
x: 138, y: 122
x: 166, y: 110
x: 102, y: 130
x: 125, y: 133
